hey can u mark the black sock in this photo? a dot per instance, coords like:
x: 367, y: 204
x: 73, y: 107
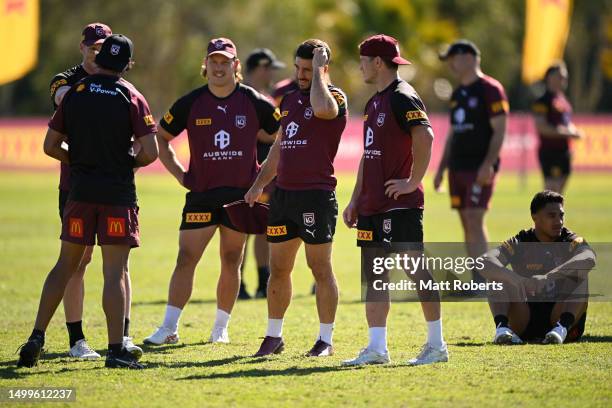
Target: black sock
x: 263, y: 273
x: 501, y: 320
x: 115, y: 348
x: 126, y: 327
x: 37, y: 333
x: 75, y: 331
x: 566, y: 320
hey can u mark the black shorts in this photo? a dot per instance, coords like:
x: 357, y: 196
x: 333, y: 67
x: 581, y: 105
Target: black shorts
x: 395, y: 230
x: 310, y: 215
x: 555, y: 163
x: 540, y: 324
x: 63, y: 199
x: 203, y: 209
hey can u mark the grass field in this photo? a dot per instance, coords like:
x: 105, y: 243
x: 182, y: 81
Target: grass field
x: 194, y: 374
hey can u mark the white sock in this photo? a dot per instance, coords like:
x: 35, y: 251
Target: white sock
x: 222, y: 319
x: 173, y: 314
x: 434, y: 334
x: 275, y: 328
x: 378, y: 339
x: 326, y: 331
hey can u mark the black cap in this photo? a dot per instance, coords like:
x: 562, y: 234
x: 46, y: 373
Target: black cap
x: 115, y: 53
x: 460, y: 47
x: 263, y: 57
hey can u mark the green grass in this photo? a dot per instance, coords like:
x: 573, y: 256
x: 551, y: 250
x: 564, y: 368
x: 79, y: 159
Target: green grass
x: 196, y: 374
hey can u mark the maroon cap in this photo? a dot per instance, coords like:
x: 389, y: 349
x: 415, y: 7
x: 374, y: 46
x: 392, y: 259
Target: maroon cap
x: 223, y: 46
x: 95, y: 33
x: 250, y: 220
x: 381, y: 45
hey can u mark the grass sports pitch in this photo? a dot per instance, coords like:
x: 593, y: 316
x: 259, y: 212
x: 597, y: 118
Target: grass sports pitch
x: 195, y: 374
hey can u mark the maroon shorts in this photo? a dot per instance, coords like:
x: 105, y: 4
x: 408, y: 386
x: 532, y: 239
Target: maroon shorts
x: 113, y: 224
x: 465, y: 193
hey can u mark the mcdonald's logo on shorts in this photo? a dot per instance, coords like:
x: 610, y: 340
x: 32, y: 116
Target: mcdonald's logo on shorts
x: 364, y: 235
x: 115, y: 227
x: 277, y: 231
x: 75, y: 227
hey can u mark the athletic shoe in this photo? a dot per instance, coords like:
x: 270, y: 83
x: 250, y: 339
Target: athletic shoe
x: 430, y: 355
x: 131, y: 348
x: 270, y: 345
x: 30, y: 352
x: 123, y: 360
x: 556, y: 336
x: 261, y: 293
x: 161, y: 336
x: 219, y: 335
x: 82, y: 350
x: 368, y: 357
x: 243, y: 294
x: 505, y: 335
x: 320, y: 349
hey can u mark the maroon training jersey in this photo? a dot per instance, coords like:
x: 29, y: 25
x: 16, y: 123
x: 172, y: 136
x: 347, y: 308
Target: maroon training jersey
x: 101, y: 115
x: 67, y: 78
x: 389, y: 118
x: 558, y: 111
x: 472, y: 108
x: 282, y: 88
x: 309, y: 144
x: 222, y: 135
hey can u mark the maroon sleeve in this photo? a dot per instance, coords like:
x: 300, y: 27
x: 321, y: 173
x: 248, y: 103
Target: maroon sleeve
x: 57, y: 120
x: 143, y: 122
x: 495, y: 99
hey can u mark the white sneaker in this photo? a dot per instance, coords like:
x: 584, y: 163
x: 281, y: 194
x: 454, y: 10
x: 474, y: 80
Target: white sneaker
x: 505, y: 335
x: 131, y: 348
x: 430, y: 355
x: 82, y: 350
x: 556, y: 336
x: 368, y: 357
x: 161, y: 336
x: 219, y: 335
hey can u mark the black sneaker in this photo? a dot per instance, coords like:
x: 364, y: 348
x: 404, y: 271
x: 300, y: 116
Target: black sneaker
x: 30, y: 352
x: 320, y: 349
x: 261, y: 293
x: 243, y: 294
x: 269, y: 346
x: 123, y: 360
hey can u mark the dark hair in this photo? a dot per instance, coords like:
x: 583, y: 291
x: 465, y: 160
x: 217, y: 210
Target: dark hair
x: 555, y: 68
x: 545, y: 197
x: 306, y: 49
x: 388, y: 63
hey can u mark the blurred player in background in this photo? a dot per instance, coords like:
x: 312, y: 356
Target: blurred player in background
x: 260, y: 66
x: 99, y: 116
x: 304, y: 207
x: 223, y: 120
x: 553, y: 119
x: 479, y: 110
x: 93, y: 36
x: 545, y: 293
x: 387, y: 202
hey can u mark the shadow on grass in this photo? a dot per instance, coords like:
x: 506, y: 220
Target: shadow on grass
x: 165, y: 301
x: 196, y: 364
x: 466, y: 344
x: 595, y: 339
x: 262, y: 372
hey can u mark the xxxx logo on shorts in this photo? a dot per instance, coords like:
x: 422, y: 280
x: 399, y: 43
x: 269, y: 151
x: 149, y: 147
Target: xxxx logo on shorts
x: 277, y: 231
x: 197, y: 217
x: 115, y: 227
x: 364, y: 235
x: 75, y: 227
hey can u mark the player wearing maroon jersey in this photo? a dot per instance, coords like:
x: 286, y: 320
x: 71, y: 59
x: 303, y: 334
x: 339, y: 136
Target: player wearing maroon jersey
x: 545, y: 294
x: 479, y: 109
x: 223, y: 120
x: 387, y: 202
x: 303, y: 207
x: 260, y: 66
x: 553, y: 119
x: 99, y: 117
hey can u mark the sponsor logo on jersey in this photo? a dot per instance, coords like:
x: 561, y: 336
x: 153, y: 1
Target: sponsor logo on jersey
x: 387, y: 226
x: 197, y: 217
x: 369, y: 139
x: 292, y: 129
x: 203, y: 122
x: 277, y: 231
x: 80, y: 87
x: 415, y: 115
x: 364, y: 235
x: 381, y: 119
x: 168, y: 117
x: 240, y: 121
x: 277, y: 114
x: 148, y: 120
x: 222, y: 139
x: 285, y: 113
x: 115, y: 227
x: 309, y: 219
x: 75, y: 227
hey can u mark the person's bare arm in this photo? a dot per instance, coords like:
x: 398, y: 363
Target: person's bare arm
x: 59, y: 94
x: 443, y: 165
x: 555, y: 132
x: 485, y: 173
x: 349, y: 215
x: 495, y: 268
x: 167, y: 155
x: 265, y: 137
x: 52, y: 145
x: 324, y: 105
x: 266, y: 173
x: 148, y: 151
